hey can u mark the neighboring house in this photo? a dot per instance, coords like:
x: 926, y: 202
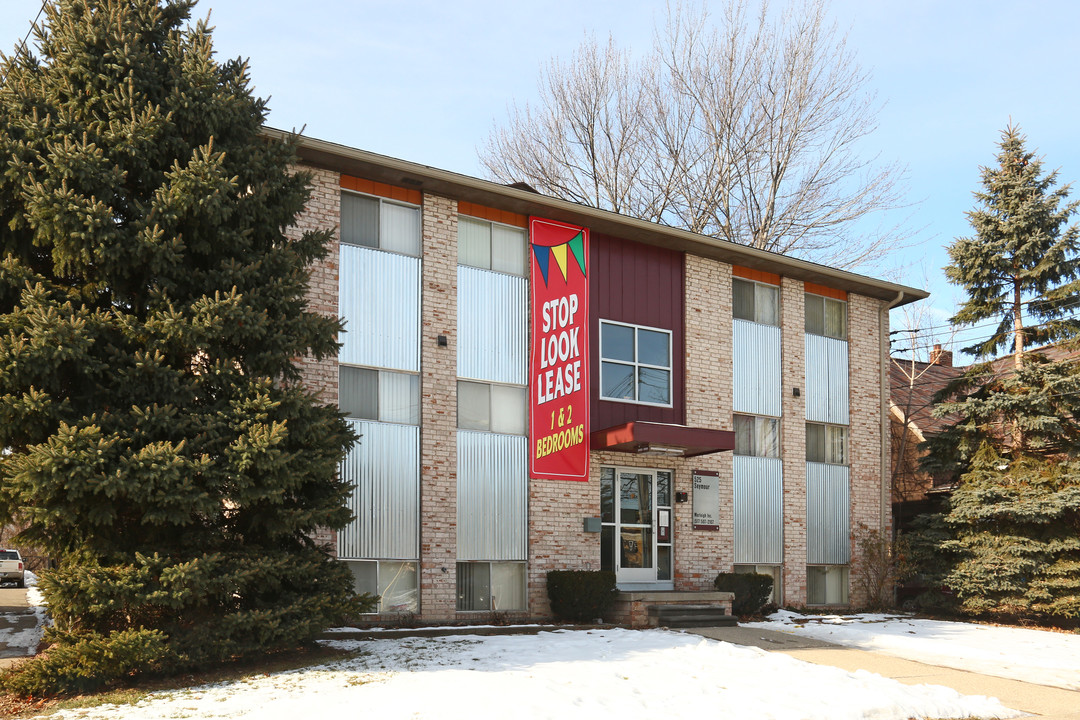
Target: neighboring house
x: 911, y: 419
x: 913, y: 388
x: 736, y: 407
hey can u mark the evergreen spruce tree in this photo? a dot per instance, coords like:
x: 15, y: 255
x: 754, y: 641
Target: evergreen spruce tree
x: 1013, y: 523
x: 158, y: 440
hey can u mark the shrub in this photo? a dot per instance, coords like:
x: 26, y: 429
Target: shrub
x: 751, y: 591
x: 580, y: 595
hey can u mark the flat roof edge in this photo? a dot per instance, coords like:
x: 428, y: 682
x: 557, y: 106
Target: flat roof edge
x: 394, y: 171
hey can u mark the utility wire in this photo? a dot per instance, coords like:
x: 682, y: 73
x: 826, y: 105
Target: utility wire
x: 22, y: 46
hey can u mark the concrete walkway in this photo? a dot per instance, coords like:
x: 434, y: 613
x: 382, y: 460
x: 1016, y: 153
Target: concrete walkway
x: 1046, y: 702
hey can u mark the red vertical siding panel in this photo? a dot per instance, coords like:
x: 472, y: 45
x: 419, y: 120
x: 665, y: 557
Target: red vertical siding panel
x: 641, y: 285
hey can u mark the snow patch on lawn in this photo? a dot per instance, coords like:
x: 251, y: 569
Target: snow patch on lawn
x: 1035, y: 656
x: 563, y: 674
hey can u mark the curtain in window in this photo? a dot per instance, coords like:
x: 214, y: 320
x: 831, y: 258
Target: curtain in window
x: 507, y: 249
x: 399, y: 229
x: 399, y: 398
x: 474, y: 243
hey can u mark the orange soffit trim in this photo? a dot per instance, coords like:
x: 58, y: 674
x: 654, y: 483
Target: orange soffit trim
x: 370, y: 187
x: 816, y: 289
x: 485, y: 213
x: 759, y: 275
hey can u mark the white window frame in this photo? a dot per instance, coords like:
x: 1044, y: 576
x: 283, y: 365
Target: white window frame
x: 825, y: 300
x: 636, y: 365
x: 525, y: 406
x: 387, y: 201
x: 845, y: 585
x: 755, y: 283
x: 380, y: 372
x: 380, y: 609
x: 756, y: 419
x: 525, y: 240
x: 490, y: 563
x: 847, y: 443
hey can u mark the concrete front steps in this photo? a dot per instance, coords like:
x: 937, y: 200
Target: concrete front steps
x: 690, y: 616
x: 673, y: 608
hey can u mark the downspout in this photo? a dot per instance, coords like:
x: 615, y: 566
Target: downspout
x: 886, y: 434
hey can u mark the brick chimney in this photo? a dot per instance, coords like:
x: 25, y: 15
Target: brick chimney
x: 940, y: 357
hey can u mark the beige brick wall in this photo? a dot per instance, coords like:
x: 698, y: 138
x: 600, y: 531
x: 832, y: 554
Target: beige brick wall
x: 557, y: 539
x: 701, y: 554
x: 865, y: 358
x: 323, y: 211
x: 438, y: 410
x: 793, y: 437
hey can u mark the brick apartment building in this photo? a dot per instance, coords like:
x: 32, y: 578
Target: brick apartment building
x: 736, y: 398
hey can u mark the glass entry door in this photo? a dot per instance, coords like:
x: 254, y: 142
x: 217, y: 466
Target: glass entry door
x: 635, y: 507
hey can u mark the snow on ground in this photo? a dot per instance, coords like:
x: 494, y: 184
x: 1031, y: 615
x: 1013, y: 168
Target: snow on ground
x: 1036, y: 656
x: 34, y: 598
x: 563, y: 674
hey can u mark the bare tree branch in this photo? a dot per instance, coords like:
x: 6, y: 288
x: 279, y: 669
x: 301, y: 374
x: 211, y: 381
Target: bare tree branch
x: 749, y: 130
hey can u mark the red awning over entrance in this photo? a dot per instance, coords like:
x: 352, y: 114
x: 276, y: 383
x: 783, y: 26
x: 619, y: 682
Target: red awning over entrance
x: 647, y: 438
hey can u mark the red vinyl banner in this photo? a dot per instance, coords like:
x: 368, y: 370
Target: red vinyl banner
x: 559, y: 358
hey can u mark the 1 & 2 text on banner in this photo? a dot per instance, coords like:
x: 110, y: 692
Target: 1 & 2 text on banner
x: 559, y: 359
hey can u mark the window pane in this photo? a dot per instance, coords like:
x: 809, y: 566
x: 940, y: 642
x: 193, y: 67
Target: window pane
x: 635, y: 498
x: 607, y: 548
x: 654, y: 386
x: 474, y: 405
x: 507, y: 586
x: 358, y: 392
x: 742, y: 299
x: 744, y: 435
x: 815, y: 314
x: 836, y: 447
x: 835, y: 318
x: 473, y: 586
x: 636, y: 550
x: 399, y: 229
x: 359, y: 220
x: 508, y: 249
x: 508, y: 409
x: 607, y: 495
x: 398, y: 587
x: 663, y: 562
x: 767, y: 437
x: 815, y: 586
x: 815, y: 443
x: 768, y: 304
x: 399, y: 398
x: 474, y: 243
x: 616, y: 342
x: 663, y: 488
x: 365, y: 576
x: 617, y: 381
x: 652, y: 348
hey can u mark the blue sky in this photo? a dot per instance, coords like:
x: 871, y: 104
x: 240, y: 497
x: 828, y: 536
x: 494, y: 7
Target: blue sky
x: 426, y: 82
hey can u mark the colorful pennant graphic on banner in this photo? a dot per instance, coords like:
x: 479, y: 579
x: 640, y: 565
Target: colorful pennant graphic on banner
x: 544, y: 253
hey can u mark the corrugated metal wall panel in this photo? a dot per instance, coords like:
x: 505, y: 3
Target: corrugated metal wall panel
x: 492, y: 497
x: 756, y: 374
x: 379, y: 297
x: 828, y: 524
x: 826, y: 380
x: 385, y: 468
x: 759, y: 510
x: 492, y: 327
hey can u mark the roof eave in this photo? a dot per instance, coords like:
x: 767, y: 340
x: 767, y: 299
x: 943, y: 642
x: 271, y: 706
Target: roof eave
x: 393, y: 171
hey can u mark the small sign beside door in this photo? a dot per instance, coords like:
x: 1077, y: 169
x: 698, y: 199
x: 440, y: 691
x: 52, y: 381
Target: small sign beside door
x: 706, y: 500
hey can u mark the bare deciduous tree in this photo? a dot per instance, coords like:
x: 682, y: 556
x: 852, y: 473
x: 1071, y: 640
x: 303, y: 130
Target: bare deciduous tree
x: 747, y: 131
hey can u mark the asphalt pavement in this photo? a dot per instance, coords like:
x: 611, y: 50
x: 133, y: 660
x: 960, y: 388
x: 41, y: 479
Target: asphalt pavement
x: 16, y: 616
